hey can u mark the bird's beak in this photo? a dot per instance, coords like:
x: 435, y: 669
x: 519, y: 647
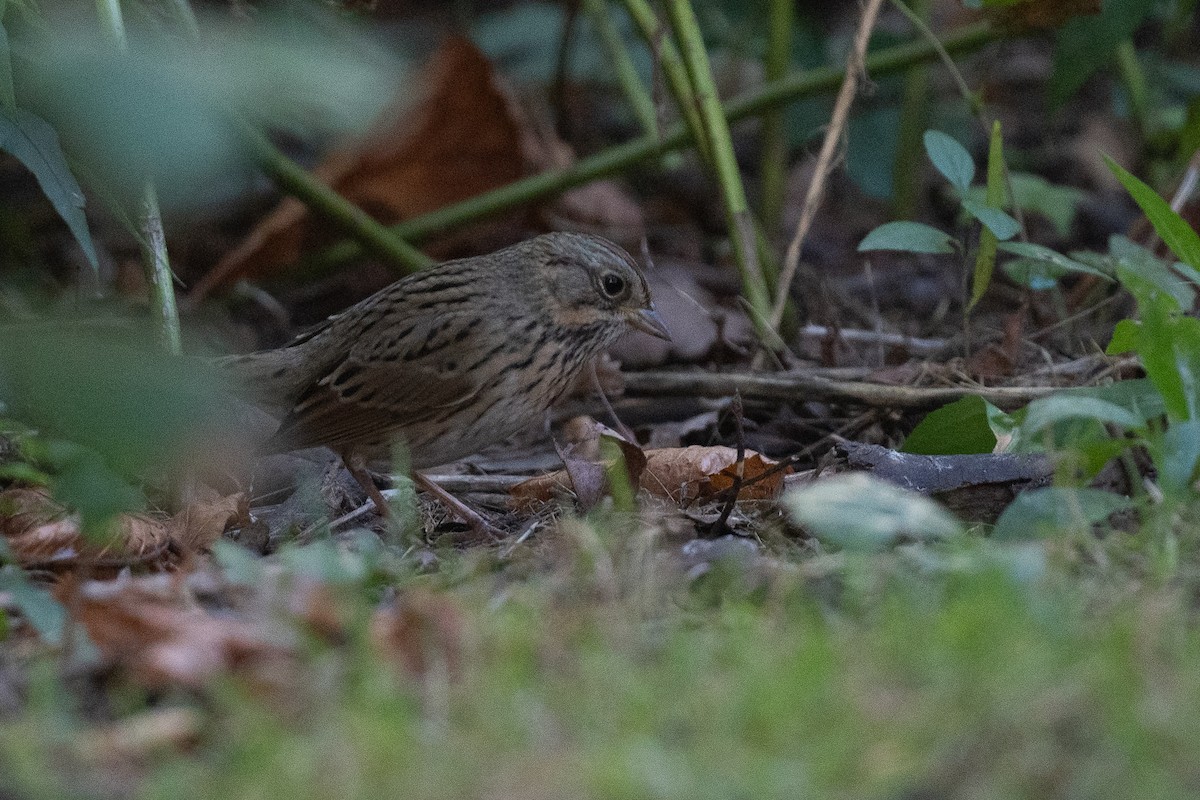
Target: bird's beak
x: 648, y: 321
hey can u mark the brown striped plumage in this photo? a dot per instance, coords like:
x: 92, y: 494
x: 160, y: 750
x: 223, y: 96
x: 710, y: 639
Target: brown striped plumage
x: 456, y: 357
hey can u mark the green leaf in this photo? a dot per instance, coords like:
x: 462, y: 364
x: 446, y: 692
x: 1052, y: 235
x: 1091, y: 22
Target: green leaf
x: 1058, y: 204
x: 169, y: 108
x: 1169, y: 347
x: 1051, y: 257
x: 1039, y: 513
x: 985, y: 258
x: 1177, y: 456
x: 32, y: 141
x: 7, y: 98
x: 1038, y: 275
x: 1171, y: 228
x: 951, y: 159
x: 111, y: 391
x: 998, y: 223
x: 43, y: 612
x: 1047, y: 411
x: 910, y: 237
x: 959, y: 427
x: 1134, y: 259
x: 1086, y: 44
x: 859, y: 512
x: 1125, y: 338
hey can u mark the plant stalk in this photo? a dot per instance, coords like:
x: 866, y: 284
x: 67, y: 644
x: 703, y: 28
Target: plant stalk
x: 625, y: 155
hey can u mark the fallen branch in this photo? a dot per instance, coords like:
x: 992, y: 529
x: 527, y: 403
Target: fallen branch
x: 797, y: 386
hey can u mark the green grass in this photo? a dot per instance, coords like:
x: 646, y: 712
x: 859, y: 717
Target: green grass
x: 927, y: 672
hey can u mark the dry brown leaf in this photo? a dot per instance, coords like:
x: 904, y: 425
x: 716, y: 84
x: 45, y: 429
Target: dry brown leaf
x: 690, y: 474
x: 585, y: 471
x: 420, y: 632
x: 164, y: 641
x: 198, y: 525
x: 1040, y: 14
x: 40, y: 532
x: 462, y: 138
x: 465, y: 136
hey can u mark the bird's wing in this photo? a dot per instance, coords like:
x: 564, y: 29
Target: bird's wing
x: 413, y: 374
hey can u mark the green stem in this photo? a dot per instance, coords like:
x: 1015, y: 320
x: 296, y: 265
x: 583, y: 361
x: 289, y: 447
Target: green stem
x: 671, y: 63
x: 1134, y: 78
x: 637, y: 95
x: 156, y: 262
x: 774, y: 132
x: 716, y: 127
x: 943, y: 51
x: 913, y: 119
x: 635, y: 151
x: 301, y: 184
x: 158, y: 271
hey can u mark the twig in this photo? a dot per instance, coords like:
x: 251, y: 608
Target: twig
x: 799, y: 386
x: 720, y: 525
x: 915, y: 346
x: 855, y: 69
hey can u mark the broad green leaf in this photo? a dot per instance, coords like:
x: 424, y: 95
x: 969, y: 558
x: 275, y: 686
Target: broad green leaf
x: 871, y: 148
x: 1040, y: 513
x: 1039, y: 253
x: 960, y: 427
x: 951, y: 159
x: 111, y: 391
x: 1177, y: 456
x: 32, y: 141
x: 1086, y: 44
x: 1171, y: 228
x: 1036, y: 195
x: 44, y: 613
x: 1169, y: 348
x: 860, y: 512
x: 910, y: 237
x: 1047, y: 411
x: 170, y: 109
x: 1125, y: 338
x: 1036, y: 274
x: 1135, y: 259
x: 1152, y: 282
x: 7, y: 98
x: 999, y: 223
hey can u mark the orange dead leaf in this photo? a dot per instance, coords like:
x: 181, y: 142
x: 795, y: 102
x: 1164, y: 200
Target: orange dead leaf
x: 198, y: 525
x: 466, y: 136
x: 421, y: 631
x: 40, y: 532
x: 585, y: 470
x: 143, y: 625
x: 689, y: 474
x: 463, y: 138
x: 1041, y: 14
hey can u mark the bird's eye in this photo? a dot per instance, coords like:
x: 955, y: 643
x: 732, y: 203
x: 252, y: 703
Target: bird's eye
x: 612, y: 284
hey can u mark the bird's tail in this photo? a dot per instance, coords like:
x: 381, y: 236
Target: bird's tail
x: 270, y: 377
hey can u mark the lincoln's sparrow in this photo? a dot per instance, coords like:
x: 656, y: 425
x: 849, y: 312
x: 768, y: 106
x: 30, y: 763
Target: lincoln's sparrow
x: 455, y: 357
